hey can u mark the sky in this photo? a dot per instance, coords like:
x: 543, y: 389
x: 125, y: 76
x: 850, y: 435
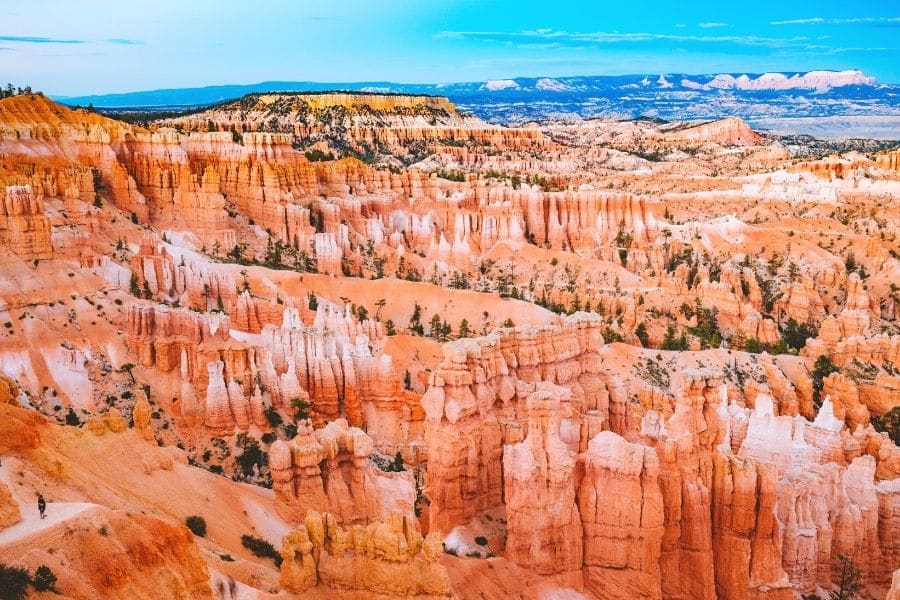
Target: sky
x: 103, y: 46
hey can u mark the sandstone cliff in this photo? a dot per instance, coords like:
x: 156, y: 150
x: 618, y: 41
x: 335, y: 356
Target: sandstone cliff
x: 386, y: 559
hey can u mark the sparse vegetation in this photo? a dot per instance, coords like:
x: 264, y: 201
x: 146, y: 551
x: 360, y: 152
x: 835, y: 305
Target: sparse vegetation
x: 301, y: 408
x: 273, y: 417
x: 72, y: 418
x: 317, y: 155
x: 13, y: 582
x: 197, y: 525
x: 823, y: 368
x: 261, y: 548
x: 849, y: 582
x: 10, y: 90
x: 44, y: 579
x: 252, y: 456
x: 795, y: 334
x: 889, y: 423
x: 670, y: 342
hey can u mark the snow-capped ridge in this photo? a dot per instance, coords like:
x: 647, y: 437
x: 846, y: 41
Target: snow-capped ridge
x: 814, y: 80
x: 495, y: 85
x: 551, y: 85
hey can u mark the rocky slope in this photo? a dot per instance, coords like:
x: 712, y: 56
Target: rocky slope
x: 615, y: 359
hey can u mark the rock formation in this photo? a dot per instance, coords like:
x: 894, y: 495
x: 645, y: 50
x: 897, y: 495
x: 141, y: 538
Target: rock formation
x: 386, y: 559
x: 621, y: 506
x: 9, y: 508
x: 732, y: 131
x: 24, y: 228
x: 141, y: 417
x: 544, y: 524
x: 711, y: 509
x: 328, y: 469
x: 9, y: 390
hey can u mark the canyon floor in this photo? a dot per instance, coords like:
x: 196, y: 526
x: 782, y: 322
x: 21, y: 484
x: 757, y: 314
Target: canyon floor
x: 379, y: 348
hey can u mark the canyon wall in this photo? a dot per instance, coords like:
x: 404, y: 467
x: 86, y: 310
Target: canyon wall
x: 694, y: 495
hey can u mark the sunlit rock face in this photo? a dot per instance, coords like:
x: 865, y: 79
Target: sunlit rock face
x: 387, y: 558
x: 329, y: 469
x: 544, y: 524
x: 621, y: 508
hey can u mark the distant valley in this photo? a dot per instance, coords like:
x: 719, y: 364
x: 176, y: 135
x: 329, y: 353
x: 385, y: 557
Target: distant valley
x: 770, y: 101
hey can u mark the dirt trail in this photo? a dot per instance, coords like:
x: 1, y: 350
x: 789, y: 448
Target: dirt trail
x: 32, y: 526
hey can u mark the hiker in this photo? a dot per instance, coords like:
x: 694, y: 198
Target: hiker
x: 42, y: 505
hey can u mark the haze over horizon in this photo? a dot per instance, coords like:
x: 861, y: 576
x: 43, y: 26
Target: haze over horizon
x: 101, y: 46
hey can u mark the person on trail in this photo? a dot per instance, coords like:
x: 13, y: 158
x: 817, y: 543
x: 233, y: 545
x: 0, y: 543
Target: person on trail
x: 42, y: 505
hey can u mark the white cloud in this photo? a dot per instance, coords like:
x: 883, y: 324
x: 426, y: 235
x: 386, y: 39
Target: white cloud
x: 614, y: 37
x: 712, y: 25
x: 848, y: 21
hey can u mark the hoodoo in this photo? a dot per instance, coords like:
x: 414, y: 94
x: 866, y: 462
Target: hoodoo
x: 462, y: 341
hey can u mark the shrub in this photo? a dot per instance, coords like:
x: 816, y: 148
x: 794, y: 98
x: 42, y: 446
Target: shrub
x: 273, y: 417
x: 251, y: 456
x: 44, y: 579
x: 670, y: 342
x: 317, y: 155
x: 451, y: 175
x: 72, y: 418
x: 481, y: 540
x: 753, y: 346
x: 397, y: 464
x: 707, y: 329
x: 13, y: 582
x: 261, y: 548
x: 641, y: 333
x: 822, y: 369
x: 197, y: 525
x: 611, y: 336
x: 795, y: 334
x: 889, y: 423
x: 301, y: 408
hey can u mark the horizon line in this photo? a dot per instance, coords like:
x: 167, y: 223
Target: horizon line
x: 448, y: 83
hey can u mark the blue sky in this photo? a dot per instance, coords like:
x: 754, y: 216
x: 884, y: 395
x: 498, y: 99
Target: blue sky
x: 97, y: 46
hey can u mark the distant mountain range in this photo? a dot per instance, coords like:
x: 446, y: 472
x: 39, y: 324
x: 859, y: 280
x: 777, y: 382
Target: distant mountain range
x: 183, y: 97
x: 755, y: 97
